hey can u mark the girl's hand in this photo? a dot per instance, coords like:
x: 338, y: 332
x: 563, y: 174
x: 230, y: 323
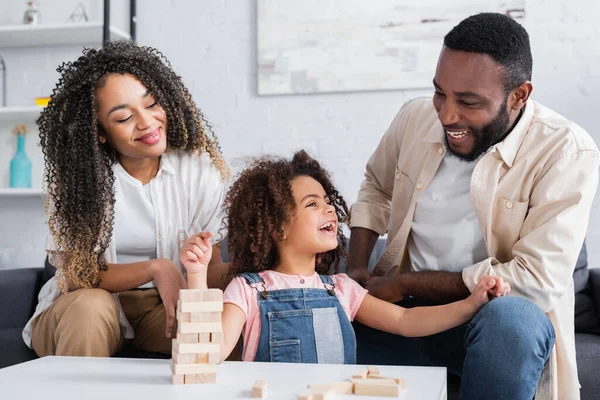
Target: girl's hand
x: 488, y: 286
x: 196, y: 252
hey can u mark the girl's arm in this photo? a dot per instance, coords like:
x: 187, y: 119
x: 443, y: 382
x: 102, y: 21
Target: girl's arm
x: 424, y: 321
x: 218, y: 271
x: 197, y: 255
x: 233, y: 324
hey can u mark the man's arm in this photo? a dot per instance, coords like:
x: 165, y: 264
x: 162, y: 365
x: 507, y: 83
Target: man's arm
x: 436, y: 286
x: 552, y: 233
x: 362, y: 242
x: 370, y: 213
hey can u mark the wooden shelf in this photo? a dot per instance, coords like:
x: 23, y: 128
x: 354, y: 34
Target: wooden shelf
x: 14, y: 192
x: 47, y: 35
x: 19, y: 114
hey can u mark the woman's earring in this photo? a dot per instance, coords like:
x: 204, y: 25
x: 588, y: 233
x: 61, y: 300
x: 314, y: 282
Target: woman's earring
x: 102, y: 139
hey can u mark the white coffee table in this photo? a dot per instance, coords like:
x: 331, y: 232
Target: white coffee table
x: 121, y: 378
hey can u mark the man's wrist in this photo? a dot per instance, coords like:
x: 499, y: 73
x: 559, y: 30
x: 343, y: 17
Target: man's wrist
x: 400, y: 284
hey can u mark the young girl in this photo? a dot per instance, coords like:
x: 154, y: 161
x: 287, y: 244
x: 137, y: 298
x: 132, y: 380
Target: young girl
x: 284, y: 237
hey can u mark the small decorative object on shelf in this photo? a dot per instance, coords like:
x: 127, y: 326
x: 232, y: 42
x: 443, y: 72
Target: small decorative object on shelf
x: 42, y: 101
x: 32, y: 14
x: 3, y: 82
x: 20, y: 165
x: 79, y: 14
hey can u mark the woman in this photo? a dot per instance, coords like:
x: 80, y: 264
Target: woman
x: 131, y: 169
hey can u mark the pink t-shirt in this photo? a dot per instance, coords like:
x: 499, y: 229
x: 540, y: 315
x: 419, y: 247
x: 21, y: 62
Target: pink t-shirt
x: 349, y: 293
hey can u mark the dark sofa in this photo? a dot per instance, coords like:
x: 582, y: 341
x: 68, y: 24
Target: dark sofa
x: 19, y: 289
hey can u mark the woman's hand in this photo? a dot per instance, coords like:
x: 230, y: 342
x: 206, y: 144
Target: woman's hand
x: 168, y: 280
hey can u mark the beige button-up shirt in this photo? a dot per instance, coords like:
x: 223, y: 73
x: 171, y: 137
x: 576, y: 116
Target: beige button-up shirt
x: 532, y: 194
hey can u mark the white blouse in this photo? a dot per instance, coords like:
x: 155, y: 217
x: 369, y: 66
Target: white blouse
x: 187, y: 194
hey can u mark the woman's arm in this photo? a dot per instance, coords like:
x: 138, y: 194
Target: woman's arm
x: 120, y: 277
x: 424, y: 321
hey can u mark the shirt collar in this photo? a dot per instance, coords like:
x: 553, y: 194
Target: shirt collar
x: 166, y: 164
x: 509, y: 147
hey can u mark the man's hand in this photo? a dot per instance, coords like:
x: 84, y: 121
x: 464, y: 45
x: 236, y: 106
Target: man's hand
x: 501, y: 288
x: 168, y: 280
x: 386, y: 288
x: 488, y: 287
x: 196, y: 252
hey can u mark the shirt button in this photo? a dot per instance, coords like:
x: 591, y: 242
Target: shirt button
x: 509, y: 204
x: 301, y: 280
x: 419, y: 185
x: 441, y: 150
x: 397, y: 175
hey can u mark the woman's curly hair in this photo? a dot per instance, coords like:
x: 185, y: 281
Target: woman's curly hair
x: 78, y: 175
x: 260, y: 202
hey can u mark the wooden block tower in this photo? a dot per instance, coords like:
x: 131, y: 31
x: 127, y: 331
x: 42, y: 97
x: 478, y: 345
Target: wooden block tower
x: 196, y: 350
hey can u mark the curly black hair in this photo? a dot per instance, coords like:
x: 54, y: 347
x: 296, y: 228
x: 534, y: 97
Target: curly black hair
x: 500, y: 37
x: 78, y: 175
x: 260, y: 202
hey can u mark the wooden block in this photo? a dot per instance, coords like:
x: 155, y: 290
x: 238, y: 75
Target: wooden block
x: 399, y: 381
x: 375, y: 388
x: 186, y: 337
x: 375, y: 381
x: 201, y: 295
x: 305, y: 396
x: 214, y: 358
x: 200, y: 327
x: 183, y: 358
x: 361, y: 374
x: 183, y: 317
x: 323, y: 394
x: 215, y: 337
x: 337, y: 387
x: 178, y: 379
x: 373, y: 370
x: 193, y: 369
x: 204, y: 338
x: 259, y: 390
x: 206, y: 378
x: 215, y: 316
x: 201, y: 359
x: 199, y: 306
x: 189, y: 379
x: 212, y: 295
x: 186, y: 348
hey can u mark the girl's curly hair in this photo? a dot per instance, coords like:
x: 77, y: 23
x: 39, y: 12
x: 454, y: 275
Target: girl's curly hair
x: 260, y: 202
x: 78, y: 175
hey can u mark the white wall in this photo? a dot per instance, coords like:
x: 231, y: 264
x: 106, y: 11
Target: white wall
x: 212, y: 45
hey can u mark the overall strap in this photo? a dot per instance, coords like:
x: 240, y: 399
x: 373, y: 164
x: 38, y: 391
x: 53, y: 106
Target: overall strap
x: 326, y: 279
x: 252, y: 278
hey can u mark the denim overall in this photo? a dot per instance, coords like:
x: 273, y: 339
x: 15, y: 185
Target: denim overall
x: 303, y: 325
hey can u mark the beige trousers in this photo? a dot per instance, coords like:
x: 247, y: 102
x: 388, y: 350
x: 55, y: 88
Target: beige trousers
x: 85, y: 322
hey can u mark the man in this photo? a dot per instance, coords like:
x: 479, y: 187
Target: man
x: 481, y: 180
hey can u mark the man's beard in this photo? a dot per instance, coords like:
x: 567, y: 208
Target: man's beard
x: 486, y: 137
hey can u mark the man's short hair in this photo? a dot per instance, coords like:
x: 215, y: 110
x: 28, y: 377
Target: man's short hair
x: 498, y: 36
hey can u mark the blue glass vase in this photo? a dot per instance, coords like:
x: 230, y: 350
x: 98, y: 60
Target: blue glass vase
x: 20, y: 166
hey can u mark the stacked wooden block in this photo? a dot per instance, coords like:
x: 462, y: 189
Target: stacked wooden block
x: 196, y: 350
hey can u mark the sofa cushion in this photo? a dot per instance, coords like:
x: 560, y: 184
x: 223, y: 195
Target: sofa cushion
x: 586, y: 316
x: 588, y: 365
x: 12, y: 348
x: 18, y: 296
